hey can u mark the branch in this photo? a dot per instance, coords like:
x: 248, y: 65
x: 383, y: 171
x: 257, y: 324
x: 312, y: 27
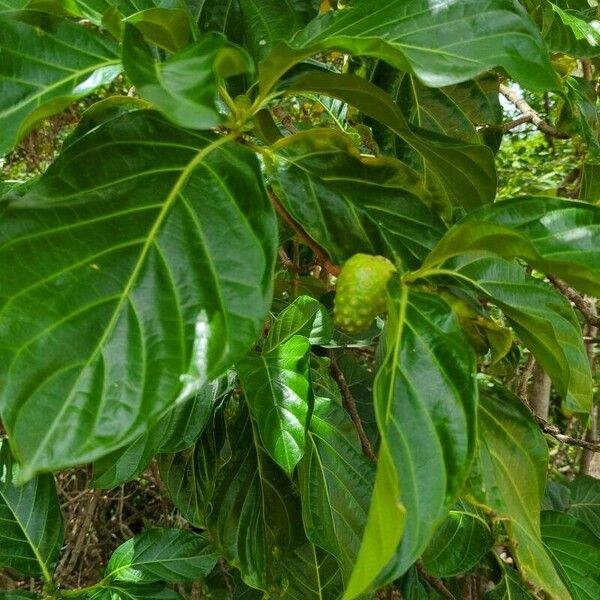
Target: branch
x: 319, y: 252
x: 555, y: 432
x: 435, y: 582
x: 587, y: 309
x: 350, y: 406
x: 529, y: 115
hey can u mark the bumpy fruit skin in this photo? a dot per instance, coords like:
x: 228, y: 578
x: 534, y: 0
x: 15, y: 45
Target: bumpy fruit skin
x: 360, y: 292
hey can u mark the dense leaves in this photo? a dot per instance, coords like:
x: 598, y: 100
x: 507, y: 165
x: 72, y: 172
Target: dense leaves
x: 270, y: 260
x: 31, y: 532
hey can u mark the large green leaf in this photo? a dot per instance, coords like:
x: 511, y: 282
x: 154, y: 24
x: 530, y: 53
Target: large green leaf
x: 17, y: 595
x: 305, y: 316
x: 31, y: 524
x: 456, y: 171
x: 541, y: 317
x: 173, y: 555
x: 190, y: 476
x: 311, y: 574
x: 336, y: 481
x: 148, y: 273
x: 276, y: 385
x: 425, y: 398
x: 255, y: 520
x: 551, y: 234
x: 513, y: 459
x: 442, y: 45
x: 460, y: 543
x: 581, y: 499
x: 455, y: 111
x: 45, y: 66
x: 351, y: 204
x: 576, y: 553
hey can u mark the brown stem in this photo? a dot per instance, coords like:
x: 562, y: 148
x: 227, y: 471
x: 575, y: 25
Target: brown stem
x: 350, y: 406
x: 435, y: 582
x: 531, y: 115
x: 285, y: 119
x: 319, y: 252
x: 524, y: 379
x: 555, y: 432
x: 587, y: 309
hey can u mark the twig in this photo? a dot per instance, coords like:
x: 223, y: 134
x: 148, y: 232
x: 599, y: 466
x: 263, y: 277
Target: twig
x: 524, y: 379
x: 529, y: 115
x: 435, y: 582
x: 555, y: 432
x: 350, y: 406
x: 583, y: 306
x: 319, y: 252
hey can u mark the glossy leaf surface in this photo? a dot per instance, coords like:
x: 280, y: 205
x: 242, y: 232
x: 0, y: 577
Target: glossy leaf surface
x: 541, y: 317
x: 459, y: 172
x: 351, y: 204
x: 173, y: 555
x: 138, y: 298
x: 576, y: 553
x: 306, y: 317
x: 551, y: 234
x: 442, y: 46
x: 424, y: 390
x: 31, y: 524
x: 183, y: 88
x: 45, y: 66
x: 513, y: 458
x: 277, y: 385
x: 336, y: 480
x: 460, y: 543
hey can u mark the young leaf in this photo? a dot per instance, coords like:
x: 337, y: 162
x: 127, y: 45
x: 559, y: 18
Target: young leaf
x: 576, y: 553
x: 513, y: 459
x: 31, y: 524
x: 45, y: 66
x: 351, y: 204
x: 425, y: 397
x: 134, y: 296
x: 169, y: 28
x: 336, y: 481
x: 276, y: 385
x: 541, y: 317
x: 551, y: 234
x: 306, y: 317
x: 460, y: 543
x: 172, y: 555
x: 442, y: 46
x: 184, y: 87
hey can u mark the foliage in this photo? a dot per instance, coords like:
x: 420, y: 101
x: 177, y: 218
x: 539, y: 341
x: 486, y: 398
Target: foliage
x: 168, y: 292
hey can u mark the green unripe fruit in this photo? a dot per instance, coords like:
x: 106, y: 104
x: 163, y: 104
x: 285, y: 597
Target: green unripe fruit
x: 360, y: 292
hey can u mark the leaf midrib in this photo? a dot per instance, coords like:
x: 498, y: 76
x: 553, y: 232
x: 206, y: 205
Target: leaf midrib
x: 29, y: 470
